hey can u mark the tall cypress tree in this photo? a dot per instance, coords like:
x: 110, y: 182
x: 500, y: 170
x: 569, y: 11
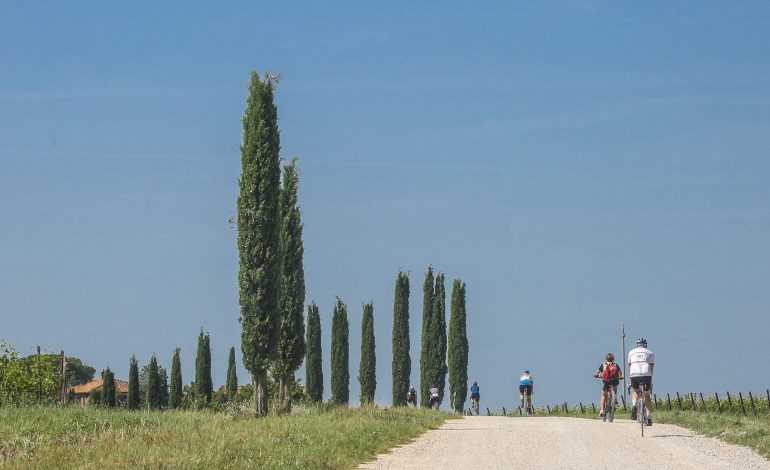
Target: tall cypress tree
x: 340, y: 355
x: 153, y: 396
x: 291, y: 330
x: 458, y: 348
x: 175, y: 391
x: 204, y: 387
x: 232, y: 375
x: 258, y: 234
x: 367, y: 375
x: 314, y: 378
x: 439, y: 312
x: 428, y: 345
x: 108, y: 389
x: 402, y: 362
x: 133, y: 385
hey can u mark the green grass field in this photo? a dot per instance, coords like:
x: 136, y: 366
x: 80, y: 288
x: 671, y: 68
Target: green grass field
x: 747, y: 430
x: 73, y: 437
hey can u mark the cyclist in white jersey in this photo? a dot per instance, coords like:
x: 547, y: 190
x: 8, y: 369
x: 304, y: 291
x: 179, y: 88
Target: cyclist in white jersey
x: 641, y: 362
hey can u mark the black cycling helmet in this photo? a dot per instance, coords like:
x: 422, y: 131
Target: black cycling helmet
x: 526, y: 372
x: 641, y: 342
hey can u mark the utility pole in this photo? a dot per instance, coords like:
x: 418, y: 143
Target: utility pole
x: 623, y: 348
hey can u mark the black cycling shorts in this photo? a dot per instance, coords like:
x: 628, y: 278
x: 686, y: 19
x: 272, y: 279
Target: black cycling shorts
x: 528, y: 388
x: 646, y: 380
x: 606, y: 384
x: 475, y: 396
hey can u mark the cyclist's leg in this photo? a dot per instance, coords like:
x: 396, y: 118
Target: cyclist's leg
x: 603, y: 399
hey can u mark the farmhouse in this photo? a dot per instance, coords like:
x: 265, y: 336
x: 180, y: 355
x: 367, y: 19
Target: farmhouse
x: 81, y: 392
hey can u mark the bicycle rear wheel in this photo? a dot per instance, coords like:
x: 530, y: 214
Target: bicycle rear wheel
x: 611, y: 409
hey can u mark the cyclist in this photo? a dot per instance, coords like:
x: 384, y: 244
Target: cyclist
x: 435, y: 400
x: 475, y: 395
x: 526, y: 383
x: 641, y: 362
x: 411, y: 397
x: 611, y: 375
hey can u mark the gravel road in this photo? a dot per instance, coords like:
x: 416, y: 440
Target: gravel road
x: 564, y: 443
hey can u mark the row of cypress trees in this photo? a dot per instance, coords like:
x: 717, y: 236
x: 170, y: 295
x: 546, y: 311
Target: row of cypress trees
x: 272, y: 288
x: 160, y: 394
x: 437, y: 346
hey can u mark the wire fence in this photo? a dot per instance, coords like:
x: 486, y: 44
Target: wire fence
x: 748, y: 404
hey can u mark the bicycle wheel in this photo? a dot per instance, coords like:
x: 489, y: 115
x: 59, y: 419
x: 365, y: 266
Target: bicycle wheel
x: 611, y: 409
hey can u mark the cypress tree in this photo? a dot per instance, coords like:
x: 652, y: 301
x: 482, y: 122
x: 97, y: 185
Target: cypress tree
x: 367, y: 375
x: 203, y: 383
x: 175, y: 391
x: 153, y: 385
x: 258, y: 233
x: 314, y: 379
x: 402, y: 363
x: 439, y: 312
x: 291, y: 329
x: 163, y: 387
x: 108, y: 389
x: 133, y: 385
x: 458, y: 348
x: 340, y: 355
x: 428, y: 345
x: 232, y: 375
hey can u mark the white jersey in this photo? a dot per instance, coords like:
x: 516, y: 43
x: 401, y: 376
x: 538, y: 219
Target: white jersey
x: 640, y: 362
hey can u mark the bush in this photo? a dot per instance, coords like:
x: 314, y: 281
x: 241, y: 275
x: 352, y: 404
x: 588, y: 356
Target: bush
x: 25, y: 381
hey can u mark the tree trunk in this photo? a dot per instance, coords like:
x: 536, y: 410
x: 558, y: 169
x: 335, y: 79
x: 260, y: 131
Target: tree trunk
x: 284, y: 392
x: 259, y: 381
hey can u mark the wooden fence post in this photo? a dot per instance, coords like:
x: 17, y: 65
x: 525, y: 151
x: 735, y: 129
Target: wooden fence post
x: 582, y: 411
x: 668, y: 400
x: 679, y: 401
x: 719, y: 407
x: 655, y: 400
x: 504, y: 411
x: 751, y: 399
x: 623, y: 398
x: 488, y: 413
x: 740, y: 397
x: 593, y: 407
x: 692, y: 400
x: 566, y: 408
x: 729, y: 403
x: 548, y: 408
x: 703, y: 402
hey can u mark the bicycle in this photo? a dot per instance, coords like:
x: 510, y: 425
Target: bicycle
x: 527, y: 403
x: 610, y: 398
x: 474, y: 406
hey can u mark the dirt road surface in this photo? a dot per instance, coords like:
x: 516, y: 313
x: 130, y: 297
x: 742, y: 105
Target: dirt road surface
x: 564, y: 443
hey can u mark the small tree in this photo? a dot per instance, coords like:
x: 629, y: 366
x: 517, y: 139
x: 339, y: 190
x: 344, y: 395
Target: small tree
x: 402, y: 361
x: 175, y: 391
x: 340, y: 355
x: 367, y: 375
x: 153, y: 394
x: 313, y: 362
x: 232, y: 375
x: 133, y: 385
x: 203, y: 383
x: 108, y: 388
x: 163, y: 389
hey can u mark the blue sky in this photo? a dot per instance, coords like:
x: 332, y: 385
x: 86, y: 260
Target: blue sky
x: 578, y: 164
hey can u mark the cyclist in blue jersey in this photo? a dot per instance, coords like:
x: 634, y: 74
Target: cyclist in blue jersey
x: 475, y: 392
x: 526, y: 383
